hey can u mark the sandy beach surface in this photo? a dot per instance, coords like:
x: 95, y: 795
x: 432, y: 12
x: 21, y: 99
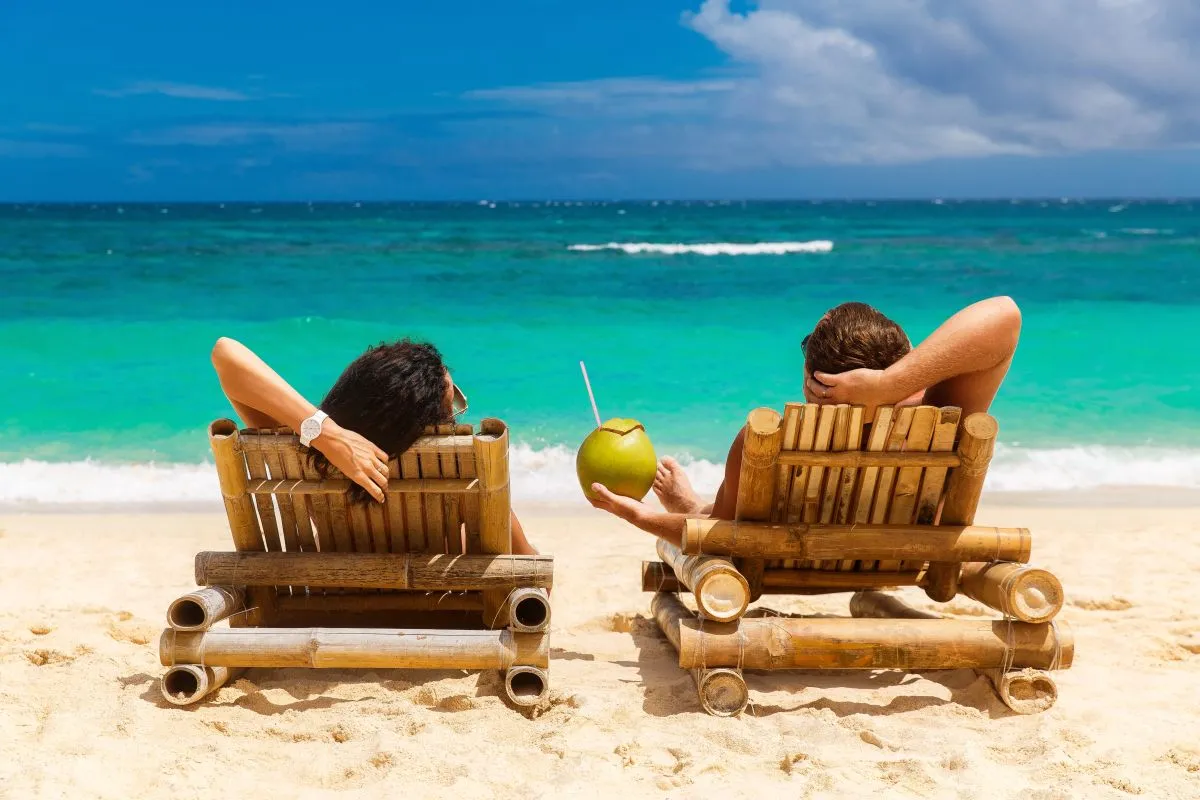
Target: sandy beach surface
x: 83, y: 597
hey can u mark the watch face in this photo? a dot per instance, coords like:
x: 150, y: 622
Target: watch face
x: 310, y: 429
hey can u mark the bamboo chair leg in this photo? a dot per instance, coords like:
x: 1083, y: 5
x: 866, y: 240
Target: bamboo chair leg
x: 185, y: 684
x: 722, y: 690
x: 526, y: 686
x: 1025, y: 691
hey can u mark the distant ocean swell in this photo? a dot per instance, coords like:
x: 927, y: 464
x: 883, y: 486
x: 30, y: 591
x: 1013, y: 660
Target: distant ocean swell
x: 547, y: 475
x: 711, y: 248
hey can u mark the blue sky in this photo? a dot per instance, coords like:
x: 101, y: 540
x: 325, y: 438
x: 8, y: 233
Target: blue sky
x: 625, y: 98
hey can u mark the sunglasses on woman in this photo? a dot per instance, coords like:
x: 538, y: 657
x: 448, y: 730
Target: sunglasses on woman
x: 458, y: 401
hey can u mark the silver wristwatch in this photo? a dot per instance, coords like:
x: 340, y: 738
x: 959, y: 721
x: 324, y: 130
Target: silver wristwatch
x: 311, y: 427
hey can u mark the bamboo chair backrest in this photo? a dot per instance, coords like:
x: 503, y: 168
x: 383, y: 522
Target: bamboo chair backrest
x: 907, y: 486
x: 276, y: 501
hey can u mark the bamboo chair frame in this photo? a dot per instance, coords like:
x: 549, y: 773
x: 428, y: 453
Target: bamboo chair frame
x: 426, y: 580
x: 827, y: 504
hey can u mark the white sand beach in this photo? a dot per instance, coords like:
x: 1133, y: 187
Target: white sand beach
x: 83, y: 597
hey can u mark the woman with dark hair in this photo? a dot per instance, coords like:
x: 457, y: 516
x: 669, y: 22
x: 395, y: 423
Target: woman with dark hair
x: 376, y: 409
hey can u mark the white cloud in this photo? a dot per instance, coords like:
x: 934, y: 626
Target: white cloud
x: 20, y: 148
x: 887, y: 81
x: 185, y: 91
x: 295, y: 137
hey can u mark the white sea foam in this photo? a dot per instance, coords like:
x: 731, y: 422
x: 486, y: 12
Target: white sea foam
x: 547, y: 475
x: 711, y: 248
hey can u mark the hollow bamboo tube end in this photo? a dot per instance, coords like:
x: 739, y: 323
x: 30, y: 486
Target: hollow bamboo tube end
x: 222, y: 428
x: 185, y: 684
x: 528, y: 610
x: 1030, y: 594
x: 526, y: 686
x: 1026, y: 691
x: 722, y: 691
x: 199, y: 610
x: 722, y: 595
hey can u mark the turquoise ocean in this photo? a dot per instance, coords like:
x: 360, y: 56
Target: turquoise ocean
x: 688, y: 314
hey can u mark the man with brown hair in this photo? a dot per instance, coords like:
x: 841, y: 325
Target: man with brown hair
x: 856, y: 355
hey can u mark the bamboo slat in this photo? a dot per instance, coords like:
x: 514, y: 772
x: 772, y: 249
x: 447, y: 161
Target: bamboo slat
x: 360, y: 529
x: 844, y: 510
x: 944, y: 433
x: 878, y: 605
x: 263, y: 440
x: 1025, y: 691
x: 716, y: 537
x: 424, y: 571
x: 908, y: 479
x: 963, y: 489
x: 1020, y: 591
x: 394, y: 508
x: 414, y: 524
x: 901, y: 422
x: 339, y: 517
x: 435, y: 517
x: 354, y: 648
x: 204, y: 607
x: 526, y: 685
x: 379, y: 531
x: 287, y: 512
x: 256, y: 461
x: 826, y: 416
x: 840, y: 643
x: 833, y: 475
x: 294, y: 471
x: 452, y: 514
x: 469, y: 507
x: 321, y: 510
x: 786, y: 474
x: 722, y: 691
x: 185, y: 684
x: 808, y: 434
x: 495, y: 514
x: 722, y: 593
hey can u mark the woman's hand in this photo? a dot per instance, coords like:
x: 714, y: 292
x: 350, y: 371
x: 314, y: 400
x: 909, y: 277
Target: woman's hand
x: 358, y: 459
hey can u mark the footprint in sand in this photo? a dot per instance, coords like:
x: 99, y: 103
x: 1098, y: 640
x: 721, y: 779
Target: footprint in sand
x: 40, y: 629
x: 43, y: 656
x: 1110, y: 603
x: 124, y: 627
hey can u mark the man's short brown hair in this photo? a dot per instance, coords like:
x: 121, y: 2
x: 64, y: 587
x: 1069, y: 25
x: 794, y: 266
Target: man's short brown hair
x: 854, y: 336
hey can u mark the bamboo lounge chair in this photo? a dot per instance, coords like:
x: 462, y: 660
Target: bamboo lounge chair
x: 827, y: 505
x: 424, y: 581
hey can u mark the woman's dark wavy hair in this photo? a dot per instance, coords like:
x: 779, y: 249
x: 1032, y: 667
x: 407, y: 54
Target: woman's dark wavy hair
x: 388, y: 395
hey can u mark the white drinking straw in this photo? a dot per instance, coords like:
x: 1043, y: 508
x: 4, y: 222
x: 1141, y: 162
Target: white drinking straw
x: 591, y: 396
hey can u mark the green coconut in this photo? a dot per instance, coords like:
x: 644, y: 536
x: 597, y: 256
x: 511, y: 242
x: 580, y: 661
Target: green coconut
x: 619, y: 456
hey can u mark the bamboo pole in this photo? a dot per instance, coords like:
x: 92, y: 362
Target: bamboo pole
x: 526, y: 685
x: 780, y: 581
x: 868, y: 542
x: 1020, y: 591
x: 184, y: 684
x: 495, y: 514
x: 381, y: 602
x: 721, y: 592
x: 423, y: 571
x: 225, y: 440
x: 1025, y: 691
x: 877, y: 605
x: 965, y: 485
x: 722, y: 690
x: 354, y: 648
x: 658, y: 577
x: 861, y: 459
x: 761, y: 443
x: 528, y: 610
x: 838, y: 643
x: 198, y: 610
x: 784, y: 475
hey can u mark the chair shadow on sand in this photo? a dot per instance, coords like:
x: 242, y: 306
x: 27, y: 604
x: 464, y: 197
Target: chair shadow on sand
x: 671, y: 691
